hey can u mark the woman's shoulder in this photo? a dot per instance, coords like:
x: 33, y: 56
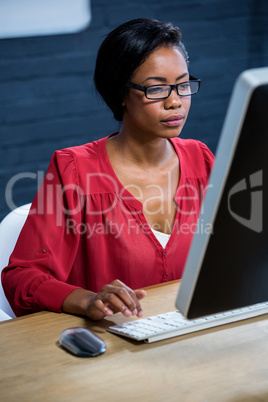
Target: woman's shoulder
x: 194, y: 154
x: 91, y: 150
x: 73, y: 164
x: 189, y: 144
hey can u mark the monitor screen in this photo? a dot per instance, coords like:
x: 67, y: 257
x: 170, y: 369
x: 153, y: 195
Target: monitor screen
x: 227, y: 266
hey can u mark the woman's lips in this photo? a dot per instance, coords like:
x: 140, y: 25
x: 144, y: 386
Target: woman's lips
x: 174, y: 120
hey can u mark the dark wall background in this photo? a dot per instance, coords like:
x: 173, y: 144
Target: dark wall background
x: 47, y: 97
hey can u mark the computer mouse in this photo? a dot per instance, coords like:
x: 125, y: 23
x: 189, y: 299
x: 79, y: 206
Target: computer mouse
x: 82, y: 342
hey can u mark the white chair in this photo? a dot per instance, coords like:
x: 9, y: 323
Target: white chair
x: 10, y: 228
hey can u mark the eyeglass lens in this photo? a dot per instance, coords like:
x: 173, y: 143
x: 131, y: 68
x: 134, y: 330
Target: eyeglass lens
x: 163, y: 91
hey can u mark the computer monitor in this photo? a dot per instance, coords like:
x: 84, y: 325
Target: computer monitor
x: 227, y: 265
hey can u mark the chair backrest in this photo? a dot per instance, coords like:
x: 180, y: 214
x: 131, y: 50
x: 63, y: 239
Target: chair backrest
x: 10, y: 228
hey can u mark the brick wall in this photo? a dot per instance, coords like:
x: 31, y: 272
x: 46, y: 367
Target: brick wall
x: 47, y: 97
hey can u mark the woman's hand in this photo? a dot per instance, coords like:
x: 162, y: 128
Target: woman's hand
x: 111, y: 299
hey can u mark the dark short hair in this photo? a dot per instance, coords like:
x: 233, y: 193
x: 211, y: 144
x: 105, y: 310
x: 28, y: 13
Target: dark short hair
x: 123, y: 50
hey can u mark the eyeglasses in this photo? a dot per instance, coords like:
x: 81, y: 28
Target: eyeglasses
x: 163, y: 91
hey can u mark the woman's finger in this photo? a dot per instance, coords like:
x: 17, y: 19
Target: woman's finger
x: 116, y: 297
x: 136, y: 295
x: 120, y: 297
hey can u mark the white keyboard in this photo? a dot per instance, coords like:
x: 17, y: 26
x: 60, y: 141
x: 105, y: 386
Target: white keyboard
x: 173, y: 323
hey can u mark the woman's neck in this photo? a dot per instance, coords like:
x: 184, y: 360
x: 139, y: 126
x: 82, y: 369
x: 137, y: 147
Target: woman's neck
x: 144, y: 152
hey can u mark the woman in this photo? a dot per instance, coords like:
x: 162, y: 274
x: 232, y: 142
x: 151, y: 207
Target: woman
x: 117, y: 214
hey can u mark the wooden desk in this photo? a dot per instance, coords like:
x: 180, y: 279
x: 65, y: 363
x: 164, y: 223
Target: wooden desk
x: 227, y: 364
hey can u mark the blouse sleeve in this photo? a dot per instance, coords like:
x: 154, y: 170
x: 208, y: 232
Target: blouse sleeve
x: 37, y: 275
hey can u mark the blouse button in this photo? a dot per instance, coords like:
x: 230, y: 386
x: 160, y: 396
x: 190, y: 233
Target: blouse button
x: 165, y: 276
x: 44, y: 250
x: 164, y: 252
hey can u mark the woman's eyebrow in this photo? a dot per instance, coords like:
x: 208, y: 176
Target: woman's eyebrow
x: 162, y: 79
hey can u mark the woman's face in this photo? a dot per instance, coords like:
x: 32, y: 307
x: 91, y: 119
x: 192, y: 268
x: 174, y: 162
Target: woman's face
x: 162, y: 118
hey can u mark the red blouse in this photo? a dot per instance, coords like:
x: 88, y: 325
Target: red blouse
x: 85, y: 229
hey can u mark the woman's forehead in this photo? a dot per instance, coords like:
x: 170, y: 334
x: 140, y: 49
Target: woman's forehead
x: 164, y: 61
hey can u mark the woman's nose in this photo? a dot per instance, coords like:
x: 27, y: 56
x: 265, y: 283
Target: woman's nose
x: 174, y: 100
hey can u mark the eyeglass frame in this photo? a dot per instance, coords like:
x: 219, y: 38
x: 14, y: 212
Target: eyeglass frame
x: 171, y: 87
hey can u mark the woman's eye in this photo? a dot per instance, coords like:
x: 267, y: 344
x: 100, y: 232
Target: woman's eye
x: 184, y: 87
x: 156, y: 90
